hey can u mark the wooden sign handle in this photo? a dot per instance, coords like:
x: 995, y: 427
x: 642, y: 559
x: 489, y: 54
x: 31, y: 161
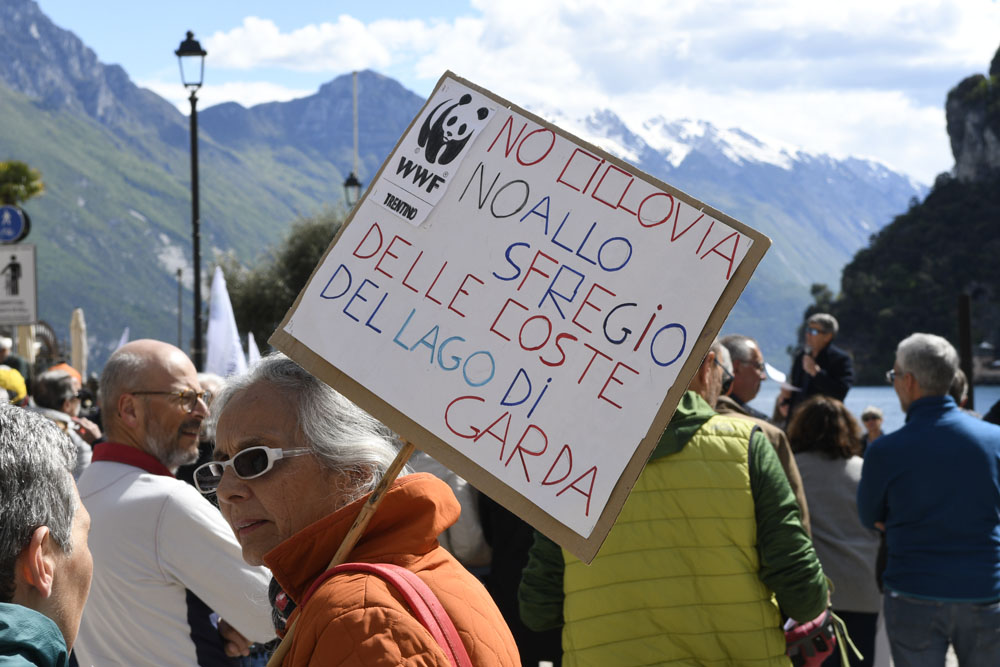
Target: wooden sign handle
x: 353, y: 535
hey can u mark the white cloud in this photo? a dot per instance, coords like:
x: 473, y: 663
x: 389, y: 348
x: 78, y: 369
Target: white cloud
x: 247, y: 93
x: 852, y: 77
x: 346, y: 44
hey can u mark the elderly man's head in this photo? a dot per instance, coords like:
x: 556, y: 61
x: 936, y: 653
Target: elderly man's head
x: 748, y: 366
x: 57, y: 390
x: 925, y: 366
x: 293, y: 451
x: 151, y: 399
x: 45, y: 563
x: 715, y: 369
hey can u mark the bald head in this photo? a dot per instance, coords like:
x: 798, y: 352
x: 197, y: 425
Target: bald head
x: 142, y: 404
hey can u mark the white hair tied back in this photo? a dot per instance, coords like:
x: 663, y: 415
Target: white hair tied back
x: 344, y: 437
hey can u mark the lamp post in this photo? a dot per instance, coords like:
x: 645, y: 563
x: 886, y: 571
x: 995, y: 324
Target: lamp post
x: 191, y: 58
x: 352, y: 186
x: 180, y: 316
x: 352, y: 190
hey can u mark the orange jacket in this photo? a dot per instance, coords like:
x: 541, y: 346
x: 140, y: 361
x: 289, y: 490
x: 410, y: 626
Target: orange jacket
x: 359, y: 619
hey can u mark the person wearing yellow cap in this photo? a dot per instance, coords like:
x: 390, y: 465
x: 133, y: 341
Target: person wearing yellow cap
x: 8, y: 358
x: 13, y: 382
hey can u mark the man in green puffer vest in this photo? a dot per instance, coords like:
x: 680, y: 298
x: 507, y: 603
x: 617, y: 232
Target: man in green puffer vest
x: 707, y: 547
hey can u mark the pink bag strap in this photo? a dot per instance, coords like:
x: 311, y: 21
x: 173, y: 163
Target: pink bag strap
x: 418, y: 596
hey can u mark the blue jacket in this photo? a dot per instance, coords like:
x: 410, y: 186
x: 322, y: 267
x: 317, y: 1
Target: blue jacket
x: 935, y: 483
x: 29, y: 638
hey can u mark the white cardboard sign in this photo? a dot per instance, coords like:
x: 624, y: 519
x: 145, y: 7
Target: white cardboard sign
x: 528, y: 310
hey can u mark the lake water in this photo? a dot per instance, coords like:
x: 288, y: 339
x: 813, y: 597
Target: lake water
x: 883, y: 397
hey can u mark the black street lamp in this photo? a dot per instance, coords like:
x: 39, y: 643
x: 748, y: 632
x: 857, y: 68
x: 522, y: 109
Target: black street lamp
x: 352, y: 190
x: 352, y: 186
x: 191, y: 58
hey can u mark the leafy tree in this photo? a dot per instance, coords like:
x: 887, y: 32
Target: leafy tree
x: 19, y: 183
x: 910, y: 277
x: 261, y: 295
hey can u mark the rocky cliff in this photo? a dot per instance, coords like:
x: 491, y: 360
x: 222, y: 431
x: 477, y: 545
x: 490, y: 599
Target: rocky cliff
x: 973, y: 113
x: 911, y: 275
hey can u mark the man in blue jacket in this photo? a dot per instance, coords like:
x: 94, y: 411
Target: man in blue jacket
x: 45, y: 564
x: 934, y: 487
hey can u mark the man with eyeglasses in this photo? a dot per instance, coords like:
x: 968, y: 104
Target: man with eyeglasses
x: 708, y: 545
x: 748, y: 373
x: 166, y: 565
x: 932, y: 487
x: 820, y: 367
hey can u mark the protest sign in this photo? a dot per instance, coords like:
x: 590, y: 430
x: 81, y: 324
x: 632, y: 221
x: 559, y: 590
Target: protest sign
x: 523, y: 306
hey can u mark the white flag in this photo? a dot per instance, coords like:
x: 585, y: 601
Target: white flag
x: 253, y: 352
x: 224, y: 353
x: 123, y: 339
x: 79, y: 350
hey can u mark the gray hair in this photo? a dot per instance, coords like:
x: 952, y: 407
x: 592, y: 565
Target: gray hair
x: 826, y: 321
x: 959, y: 388
x: 930, y: 359
x: 873, y: 411
x: 740, y: 347
x: 36, y: 487
x: 343, y: 437
x: 722, y: 355
x: 53, y: 388
x: 214, y: 383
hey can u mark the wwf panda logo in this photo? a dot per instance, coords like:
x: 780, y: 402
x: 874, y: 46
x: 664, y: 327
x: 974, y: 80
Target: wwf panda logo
x: 447, y: 128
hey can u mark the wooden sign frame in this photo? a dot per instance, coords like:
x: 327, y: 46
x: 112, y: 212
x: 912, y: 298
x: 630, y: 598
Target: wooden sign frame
x: 583, y: 547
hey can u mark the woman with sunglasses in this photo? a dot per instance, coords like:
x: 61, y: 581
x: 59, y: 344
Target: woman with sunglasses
x: 294, y: 463
x: 871, y: 419
x: 824, y: 437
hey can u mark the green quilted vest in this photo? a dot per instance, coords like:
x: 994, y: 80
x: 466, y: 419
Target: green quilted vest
x: 676, y: 581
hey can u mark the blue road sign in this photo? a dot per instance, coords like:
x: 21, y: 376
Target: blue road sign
x: 14, y: 224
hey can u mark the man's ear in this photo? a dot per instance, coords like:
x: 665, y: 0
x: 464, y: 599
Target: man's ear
x: 128, y: 410
x: 703, y: 374
x: 706, y: 369
x: 37, y: 562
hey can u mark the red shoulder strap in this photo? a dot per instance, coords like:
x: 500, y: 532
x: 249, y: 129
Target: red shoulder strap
x: 418, y: 596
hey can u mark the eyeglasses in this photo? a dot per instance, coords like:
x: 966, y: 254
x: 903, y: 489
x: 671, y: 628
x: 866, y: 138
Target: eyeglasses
x: 758, y: 366
x: 890, y: 375
x: 813, y: 331
x: 189, y: 398
x: 248, y: 464
x: 870, y: 418
x: 726, y: 375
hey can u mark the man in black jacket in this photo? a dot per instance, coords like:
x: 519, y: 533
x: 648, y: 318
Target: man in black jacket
x: 820, y: 367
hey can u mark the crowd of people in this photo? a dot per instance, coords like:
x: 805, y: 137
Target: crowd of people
x: 193, y: 521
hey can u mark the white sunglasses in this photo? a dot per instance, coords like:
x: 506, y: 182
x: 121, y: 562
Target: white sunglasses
x: 250, y: 463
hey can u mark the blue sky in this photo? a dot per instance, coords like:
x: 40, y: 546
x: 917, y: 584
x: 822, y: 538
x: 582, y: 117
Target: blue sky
x: 855, y: 77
